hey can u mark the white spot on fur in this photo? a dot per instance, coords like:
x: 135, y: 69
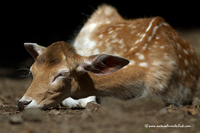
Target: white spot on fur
x: 114, y: 35
x: 162, y: 47
x: 125, y: 50
x: 88, y: 47
x: 153, y: 33
x: 108, y: 11
x: 150, y: 24
x: 120, y: 25
x: 138, y: 34
x: 178, y: 45
x: 157, y: 37
x: 137, y: 41
x: 185, y: 51
x: 141, y: 57
x: 64, y: 57
x: 109, y: 29
x: 165, y: 24
x: 107, y: 40
x: 101, y: 36
x: 186, y: 62
x: 143, y: 64
x: 132, y: 62
x: 133, y: 32
x: 118, y: 29
x: 96, y: 51
x: 184, y: 73
x: 142, y: 37
x: 145, y: 46
x: 192, y: 51
x: 156, y: 63
x: 121, y: 46
x: 110, y: 32
x: 166, y: 56
x: 121, y: 41
x: 132, y: 49
x: 108, y: 46
x: 115, y: 40
x: 131, y: 26
x: 154, y: 46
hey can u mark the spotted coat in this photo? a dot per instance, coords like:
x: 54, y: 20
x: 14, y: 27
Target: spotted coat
x: 162, y: 61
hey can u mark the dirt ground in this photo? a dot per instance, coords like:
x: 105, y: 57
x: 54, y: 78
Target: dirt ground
x: 145, y: 115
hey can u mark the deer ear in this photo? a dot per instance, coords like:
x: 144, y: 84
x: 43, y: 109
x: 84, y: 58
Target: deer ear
x: 34, y: 49
x: 103, y: 64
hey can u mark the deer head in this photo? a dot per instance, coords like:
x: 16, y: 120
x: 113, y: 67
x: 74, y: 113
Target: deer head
x: 56, y: 71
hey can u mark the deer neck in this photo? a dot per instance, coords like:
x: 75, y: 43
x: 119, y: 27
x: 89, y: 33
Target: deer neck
x: 118, y: 84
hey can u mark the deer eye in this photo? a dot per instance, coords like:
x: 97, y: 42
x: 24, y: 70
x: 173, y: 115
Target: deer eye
x: 61, y: 75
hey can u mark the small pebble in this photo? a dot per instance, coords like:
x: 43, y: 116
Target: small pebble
x: 86, y: 114
x: 54, y: 112
x: 92, y: 106
x: 196, y: 102
x: 15, y: 119
x: 163, y: 111
x: 33, y: 114
x: 26, y: 131
x: 192, y: 111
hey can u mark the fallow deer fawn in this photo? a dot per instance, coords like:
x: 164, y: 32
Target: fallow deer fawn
x: 114, y: 57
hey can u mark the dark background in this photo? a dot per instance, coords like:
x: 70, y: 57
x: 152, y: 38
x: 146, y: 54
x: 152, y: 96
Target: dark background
x: 45, y: 23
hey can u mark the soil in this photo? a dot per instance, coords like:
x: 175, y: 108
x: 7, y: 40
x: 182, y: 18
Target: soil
x: 145, y: 115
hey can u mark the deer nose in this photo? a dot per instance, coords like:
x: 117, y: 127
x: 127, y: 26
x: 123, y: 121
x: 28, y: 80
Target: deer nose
x: 22, y: 104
